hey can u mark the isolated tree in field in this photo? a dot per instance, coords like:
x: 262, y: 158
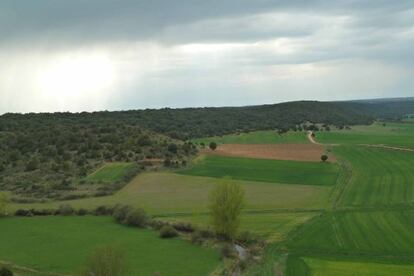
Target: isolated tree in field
x: 212, y: 145
x: 4, y: 200
x: 105, y: 261
x: 226, y: 204
x: 324, y: 158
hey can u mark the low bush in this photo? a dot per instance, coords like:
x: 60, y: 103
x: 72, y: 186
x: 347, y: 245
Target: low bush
x: 199, y: 236
x: 120, y: 213
x: 82, y: 212
x: 196, y: 237
x: 103, y: 211
x: 23, y: 213
x: 167, y: 231
x: 183, y: 227
x: 4, y: 271
x: 42, y: 212
x: 136, y: 217
x: 246, y: 238
x: 66, y: 210
x: 156, y: 224
x: 228, y: 251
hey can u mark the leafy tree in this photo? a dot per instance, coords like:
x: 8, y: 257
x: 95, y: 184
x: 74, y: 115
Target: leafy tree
x: 324, y: 157
x: 226, y: 204
x: 4, y: 200
x: 32, y: 165
x: 172, y: 148
x: 212, y: 145
x: 106, y: 261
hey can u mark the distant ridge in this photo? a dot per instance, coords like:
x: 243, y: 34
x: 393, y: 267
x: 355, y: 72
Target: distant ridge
x: 187, y: 123
x: 384, y: 100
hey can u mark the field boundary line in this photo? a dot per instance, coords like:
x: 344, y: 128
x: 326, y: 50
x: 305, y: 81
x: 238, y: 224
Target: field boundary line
x: 31, y: 270
x: 387, y: 147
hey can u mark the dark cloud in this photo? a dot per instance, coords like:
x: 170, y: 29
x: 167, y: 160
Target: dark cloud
x: 85, y: 21
x: 197, y: 52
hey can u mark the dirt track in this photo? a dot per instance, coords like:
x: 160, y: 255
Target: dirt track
x: 300, y: 152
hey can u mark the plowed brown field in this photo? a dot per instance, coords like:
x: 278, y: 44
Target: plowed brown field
x: 300, y: 152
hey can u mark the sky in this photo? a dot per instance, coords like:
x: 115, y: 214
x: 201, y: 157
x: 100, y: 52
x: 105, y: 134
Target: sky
x: 88, y: 55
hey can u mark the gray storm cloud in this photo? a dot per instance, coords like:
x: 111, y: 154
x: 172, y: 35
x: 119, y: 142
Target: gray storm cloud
x: 88, y: 55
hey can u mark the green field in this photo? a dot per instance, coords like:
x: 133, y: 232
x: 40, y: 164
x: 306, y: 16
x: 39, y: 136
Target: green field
x: 274, y: 171
x: 370, y: 233
x: 164, y: 193
x: 257, y: 137
x: 62, y: 244
x: 393, y: 134
x: 323, y: 267
x: 110, y: 172
x: 272, y: 226
x: 380, y: 177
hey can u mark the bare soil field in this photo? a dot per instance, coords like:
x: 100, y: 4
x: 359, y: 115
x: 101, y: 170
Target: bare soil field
x: 298, y: 152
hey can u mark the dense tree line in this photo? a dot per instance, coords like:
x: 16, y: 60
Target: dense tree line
x: 189, y: 123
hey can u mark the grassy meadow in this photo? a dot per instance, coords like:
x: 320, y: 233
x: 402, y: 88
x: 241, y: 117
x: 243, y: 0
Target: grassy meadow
x: 257, y: 137
x: 161, y: 193
x: 62, y: 245
x: 110, y: 172
x: 274, y: 171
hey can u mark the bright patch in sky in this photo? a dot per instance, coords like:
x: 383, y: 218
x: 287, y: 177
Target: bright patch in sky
x: 72, y: 76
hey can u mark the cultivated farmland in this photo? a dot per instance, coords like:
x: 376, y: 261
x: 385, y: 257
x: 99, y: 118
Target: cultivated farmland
x: 293, y: 152
x: 274, y: 171
x: 392, y: 134
x: 380, y: 177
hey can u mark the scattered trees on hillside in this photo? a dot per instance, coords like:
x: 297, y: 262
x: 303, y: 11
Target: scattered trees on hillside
x: 227, y: 200
x: 212, y: 145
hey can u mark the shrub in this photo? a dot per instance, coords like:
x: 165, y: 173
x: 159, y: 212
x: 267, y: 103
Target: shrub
x: 120, y: 213
x: 136, y: 217
x: 23, y: 213
x: 324, y: 158
x: 167, y: 231
x: 82, y: 212
x: 246, y: 237
x: 4, y: 271
x: 103, y: 211
x: 156, y: 224
x: 66, y: 210
x: 183, y: 227
x: 106, y: 261
x: 199, y: 236
x: 42, y: 212
x: 228, y: 251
